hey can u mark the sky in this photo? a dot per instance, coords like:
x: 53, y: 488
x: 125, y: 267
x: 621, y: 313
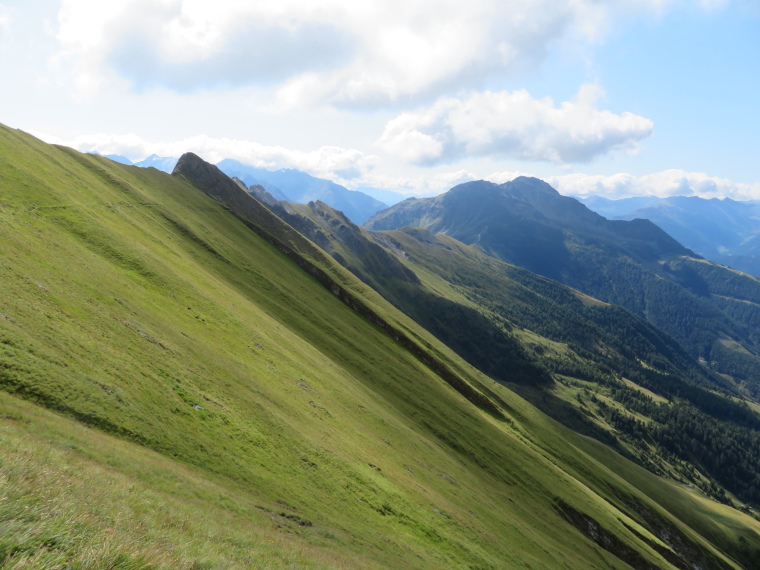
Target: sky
x: 614, y: 98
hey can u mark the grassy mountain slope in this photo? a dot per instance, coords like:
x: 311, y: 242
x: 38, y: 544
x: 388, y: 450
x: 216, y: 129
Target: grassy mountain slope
x: 518, y: 327
x: 485, y: 343
x: 237, y: 382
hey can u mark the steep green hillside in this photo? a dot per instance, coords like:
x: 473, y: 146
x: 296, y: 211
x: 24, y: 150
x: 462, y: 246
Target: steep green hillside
x: 486, y: 343
x: 613, y: 376
x: 250, y: 381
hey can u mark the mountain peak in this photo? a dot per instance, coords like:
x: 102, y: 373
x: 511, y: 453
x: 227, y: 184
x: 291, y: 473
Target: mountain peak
x: 192, y: 163
x: 527, y: 222
x: 204, y: 175
x: 530, y: 183
x: 475, y: 190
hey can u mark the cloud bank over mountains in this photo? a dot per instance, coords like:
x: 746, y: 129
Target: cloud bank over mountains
x: 353, y: 169
x: 327, y: 162
x: 433, y: 56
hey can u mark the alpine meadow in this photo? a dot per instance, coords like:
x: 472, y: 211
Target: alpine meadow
x: 196, y: 377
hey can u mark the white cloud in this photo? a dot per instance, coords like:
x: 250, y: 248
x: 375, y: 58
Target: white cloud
x: 361, y: 53
x: 506, y: 176
x: 349, y: 167
x: 336, y: 163
x: 513, y: 124
x: 190, y: 45
x: 430, y: 185
x: 662, y: 184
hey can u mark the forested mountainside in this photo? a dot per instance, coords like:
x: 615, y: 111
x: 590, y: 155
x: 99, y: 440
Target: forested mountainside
x: 709, y: 309
x: 189, y: 383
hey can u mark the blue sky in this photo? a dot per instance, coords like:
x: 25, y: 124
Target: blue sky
x: 618, y: 98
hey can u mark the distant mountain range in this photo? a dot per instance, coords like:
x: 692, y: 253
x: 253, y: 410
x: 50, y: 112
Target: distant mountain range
x: 163, y: 163
x: 726, y: 231
x: 117, y: 158
x: 296, y: 186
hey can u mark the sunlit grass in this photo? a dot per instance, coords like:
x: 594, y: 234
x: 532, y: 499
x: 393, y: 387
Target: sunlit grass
x: 73, y: 498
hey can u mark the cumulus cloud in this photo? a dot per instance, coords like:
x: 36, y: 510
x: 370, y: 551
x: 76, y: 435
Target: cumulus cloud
x: 513, y: 124
x: 430, y: 185
x: 328, y: 161
x: 191, y: 45
x: 506, y: 176
x: 362, y: 53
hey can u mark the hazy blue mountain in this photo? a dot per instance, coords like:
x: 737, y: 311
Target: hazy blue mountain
x: 252, y: 176
x: 387, y: 196
x: 711, y: 227
x: 163, y: 163
x: 527, y: 222
x: 615, y: 208
x: 303, y: 188
x: 118, y: 158
x: 726, y: 231
x: 750, y: 246
x: 745, y: 263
